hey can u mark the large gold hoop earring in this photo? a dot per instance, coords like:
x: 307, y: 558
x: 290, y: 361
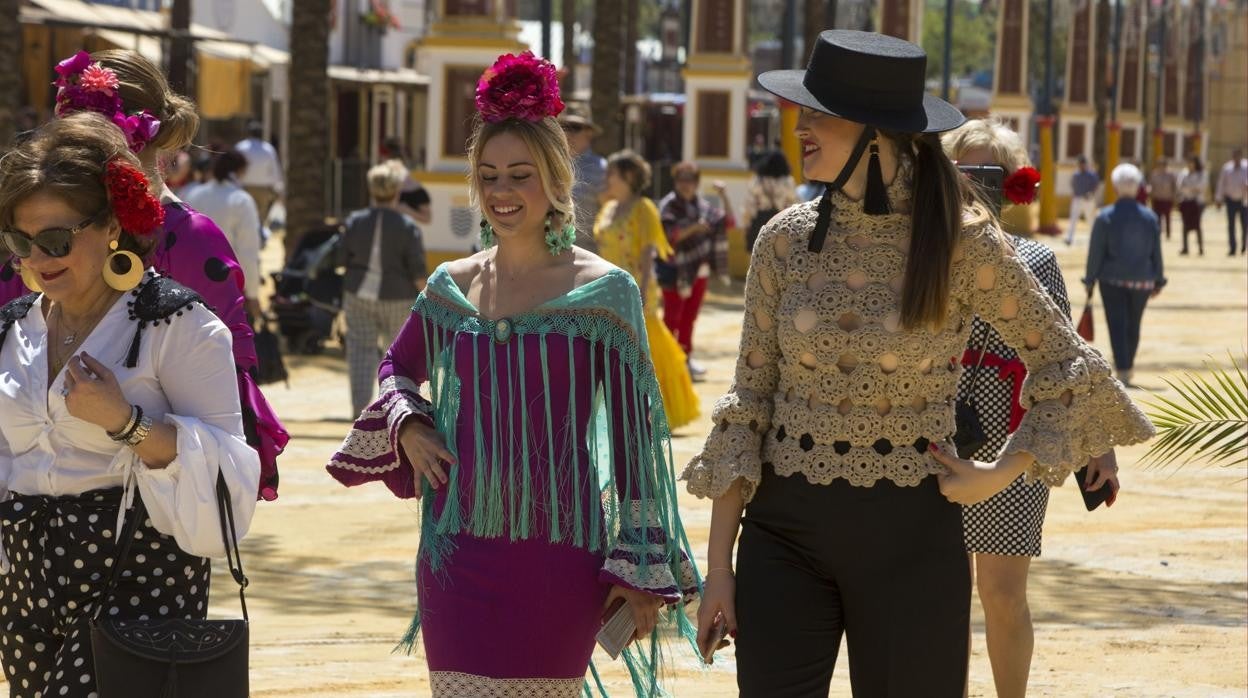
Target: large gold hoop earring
x: 123, y: 270
x: 29, y: 279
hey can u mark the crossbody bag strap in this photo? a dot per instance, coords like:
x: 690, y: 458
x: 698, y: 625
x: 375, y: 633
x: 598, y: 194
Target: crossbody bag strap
x: 126, y: 536
x: 983, y: 349
x: 229, y: 536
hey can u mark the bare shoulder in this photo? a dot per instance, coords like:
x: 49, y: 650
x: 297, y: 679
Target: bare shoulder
x: 465, y: 270
x: 589, y: 266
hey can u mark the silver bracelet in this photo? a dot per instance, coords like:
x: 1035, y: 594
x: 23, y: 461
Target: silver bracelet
x: 125, y: 431
x: 140, y: 433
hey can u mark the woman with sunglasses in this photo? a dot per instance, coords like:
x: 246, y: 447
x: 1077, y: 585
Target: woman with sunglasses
x: 132, y: 94
x: 833, y: 441
x: 110, y: 380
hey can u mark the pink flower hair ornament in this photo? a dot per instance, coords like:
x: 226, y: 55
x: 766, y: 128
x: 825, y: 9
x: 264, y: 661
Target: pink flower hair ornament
x: 521, y: 87
x: 86, y: 86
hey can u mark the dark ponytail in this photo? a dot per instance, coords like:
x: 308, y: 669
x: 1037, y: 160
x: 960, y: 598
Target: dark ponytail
x: 940, y: 193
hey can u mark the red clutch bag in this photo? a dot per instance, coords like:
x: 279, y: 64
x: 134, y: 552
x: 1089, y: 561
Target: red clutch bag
x: 1085, y: 324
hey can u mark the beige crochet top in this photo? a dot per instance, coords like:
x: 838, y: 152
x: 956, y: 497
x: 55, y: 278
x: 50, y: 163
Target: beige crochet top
x: 825, y: 369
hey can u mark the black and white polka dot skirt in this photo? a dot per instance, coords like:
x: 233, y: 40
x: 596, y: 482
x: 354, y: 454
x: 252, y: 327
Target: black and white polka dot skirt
x: 60, y: 551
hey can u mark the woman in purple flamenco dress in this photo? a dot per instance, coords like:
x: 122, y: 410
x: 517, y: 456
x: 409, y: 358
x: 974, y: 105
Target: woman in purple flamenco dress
x: 541, y: 453
x: 128, y: 89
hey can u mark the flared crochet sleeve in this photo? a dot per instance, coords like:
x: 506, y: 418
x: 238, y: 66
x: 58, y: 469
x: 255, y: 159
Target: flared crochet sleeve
x: 1076, y: 409
x: 743, y: 415
x: 371, y: 450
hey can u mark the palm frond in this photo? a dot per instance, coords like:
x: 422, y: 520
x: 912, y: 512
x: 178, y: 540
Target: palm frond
x: 1206, y: 420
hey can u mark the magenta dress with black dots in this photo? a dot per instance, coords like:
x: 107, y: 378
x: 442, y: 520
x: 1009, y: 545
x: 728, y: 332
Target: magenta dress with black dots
x: 193, y: 251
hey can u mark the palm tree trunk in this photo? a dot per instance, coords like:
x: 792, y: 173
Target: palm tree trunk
x: 1100, y: 93
x: 10, y: 55
x: 567, y: 17
x: 632, y: 21
x: 180, y: 53
x: 815, y: 20
x: 604, y: 99
x: 307, y: 163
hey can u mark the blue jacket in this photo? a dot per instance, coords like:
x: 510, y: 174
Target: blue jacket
x: 1126, y: 245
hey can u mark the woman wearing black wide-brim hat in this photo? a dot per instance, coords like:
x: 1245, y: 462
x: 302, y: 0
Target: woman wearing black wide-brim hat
x: 836, y: 438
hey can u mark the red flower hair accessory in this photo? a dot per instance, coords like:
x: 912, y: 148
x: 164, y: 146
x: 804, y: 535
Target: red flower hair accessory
x: 519, y: 87
x: 138, y: 212
x: 1020, y: 186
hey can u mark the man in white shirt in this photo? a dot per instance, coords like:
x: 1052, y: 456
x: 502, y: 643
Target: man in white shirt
x: 222, y: 200
x: 263, y: 178
x: 1232, y: 190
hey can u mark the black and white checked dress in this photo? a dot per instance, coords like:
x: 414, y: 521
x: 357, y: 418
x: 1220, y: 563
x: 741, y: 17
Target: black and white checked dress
x: 1010, y: 522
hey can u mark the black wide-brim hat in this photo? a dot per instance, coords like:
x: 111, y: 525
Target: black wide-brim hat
x: 867, y: 78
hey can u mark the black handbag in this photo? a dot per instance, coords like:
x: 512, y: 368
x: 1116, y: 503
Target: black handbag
x: 173, y: 658
x: 970, y: 436
x: 270, y: 368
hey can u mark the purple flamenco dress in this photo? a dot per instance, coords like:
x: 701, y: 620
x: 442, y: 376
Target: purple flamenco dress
x: 192, y: 250
x: 563, y: 485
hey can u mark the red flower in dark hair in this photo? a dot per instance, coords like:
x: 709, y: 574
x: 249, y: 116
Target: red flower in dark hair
x: 1020, y: 187
x: 138, y: 212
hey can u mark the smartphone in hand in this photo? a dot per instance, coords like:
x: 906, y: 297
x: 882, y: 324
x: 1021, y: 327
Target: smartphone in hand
x: 1094, y: 498
x: 618, y: 630
x: 715, y: 640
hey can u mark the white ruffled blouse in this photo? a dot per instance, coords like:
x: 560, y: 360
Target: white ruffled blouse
x: 184, y: 377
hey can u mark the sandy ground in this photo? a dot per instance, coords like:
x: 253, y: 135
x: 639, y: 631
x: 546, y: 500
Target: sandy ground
x: 1149, y: 598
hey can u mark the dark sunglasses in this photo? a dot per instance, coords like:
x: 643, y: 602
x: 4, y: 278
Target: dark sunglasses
x: 55, y: 242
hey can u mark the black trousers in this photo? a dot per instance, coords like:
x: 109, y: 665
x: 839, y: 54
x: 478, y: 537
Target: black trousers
x: 1124, y: 312
x: 61, y: 550
x: 883, y: 565
x: 1236, y: 210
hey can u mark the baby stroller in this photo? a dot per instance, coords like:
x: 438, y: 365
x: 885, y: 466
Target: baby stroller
x: 308, y: 292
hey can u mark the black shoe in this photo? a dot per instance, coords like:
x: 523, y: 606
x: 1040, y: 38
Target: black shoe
x: 1183, y: 251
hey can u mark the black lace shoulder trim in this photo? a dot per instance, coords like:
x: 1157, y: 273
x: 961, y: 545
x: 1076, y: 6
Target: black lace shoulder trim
x: 158, y: 299
x: 13, y: 311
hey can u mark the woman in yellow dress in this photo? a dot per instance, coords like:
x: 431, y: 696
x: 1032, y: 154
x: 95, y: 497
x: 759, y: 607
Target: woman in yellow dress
x: 630, y: 236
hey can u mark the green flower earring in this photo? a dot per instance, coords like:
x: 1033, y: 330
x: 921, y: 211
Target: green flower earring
x: 559, y: 241
x: 487, y: 234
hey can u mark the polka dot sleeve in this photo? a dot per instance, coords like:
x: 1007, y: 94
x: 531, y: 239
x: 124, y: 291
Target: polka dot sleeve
x: 1076, y: 409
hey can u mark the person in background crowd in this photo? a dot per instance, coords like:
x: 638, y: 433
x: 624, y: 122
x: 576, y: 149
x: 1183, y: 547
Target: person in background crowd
x: 1003, y: 533
x: 630, y: 236
x: 414, y: 200
x: 1125, y: 257
x: 1163, y: 187
x: 1193, y: 183
x: 201, y: 172
x: 263, y: 179
x: 384, y: 257
x: 1083, y: 187
x: 698, y: 233
x: 1232, y: 191
x: 770, y: 191
x: 591, y: 173
x: 234, y: 212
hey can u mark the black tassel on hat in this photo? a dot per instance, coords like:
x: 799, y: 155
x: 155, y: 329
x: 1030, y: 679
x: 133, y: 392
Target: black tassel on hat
x: 875, y: 201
